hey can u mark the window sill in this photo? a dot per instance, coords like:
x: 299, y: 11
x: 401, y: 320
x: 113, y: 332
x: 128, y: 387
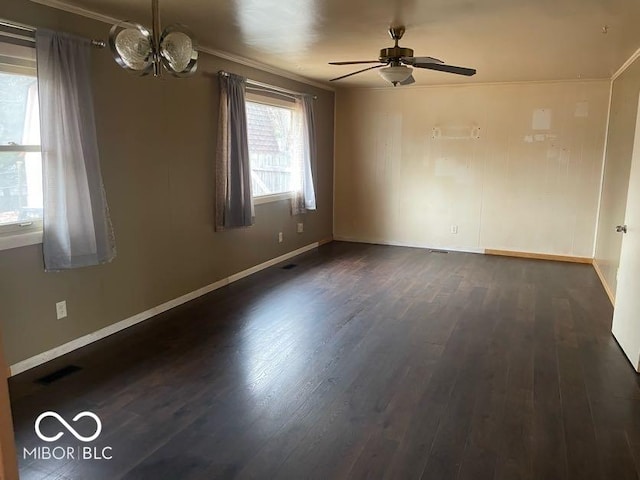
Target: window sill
x: 272, y: 198
x: 16, y: 240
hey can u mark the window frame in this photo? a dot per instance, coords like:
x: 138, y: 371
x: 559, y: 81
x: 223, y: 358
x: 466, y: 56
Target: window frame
x: 273, y: 101
x: 20, y: 234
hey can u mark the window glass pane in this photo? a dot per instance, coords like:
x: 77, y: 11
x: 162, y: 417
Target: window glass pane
x: 19, y: 121
x: 20, y: 187
x: 270, y: 130
x: 20, y: 172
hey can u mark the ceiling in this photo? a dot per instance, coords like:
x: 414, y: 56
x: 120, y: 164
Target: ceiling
x: 505, y: 40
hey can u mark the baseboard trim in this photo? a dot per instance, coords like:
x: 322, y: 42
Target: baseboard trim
x: 487, y: 251
x: 539, y: 256
x: 85, y: 340
x: 325, y: 241
x: 605, y: 285
x: 394, y: 243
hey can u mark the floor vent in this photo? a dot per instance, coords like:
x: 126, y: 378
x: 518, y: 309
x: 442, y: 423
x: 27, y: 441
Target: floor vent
x: 289, y: 266
x: 58, y: 375
x: 437, y: 251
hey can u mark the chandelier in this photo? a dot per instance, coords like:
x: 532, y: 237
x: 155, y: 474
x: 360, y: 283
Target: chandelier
x: 141, y: 51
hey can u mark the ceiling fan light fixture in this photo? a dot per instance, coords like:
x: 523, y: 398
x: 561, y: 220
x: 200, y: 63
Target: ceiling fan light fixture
x: 395, y: 74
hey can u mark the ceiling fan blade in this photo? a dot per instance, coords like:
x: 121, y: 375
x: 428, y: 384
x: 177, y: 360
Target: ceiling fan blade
x: 355, y: 62
x: 414, y: 60
x: 468, y: 72
x: 408, y: 81
x: 355, y: 73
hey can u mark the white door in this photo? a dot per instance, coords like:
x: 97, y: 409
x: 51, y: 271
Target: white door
x: 626, y: 316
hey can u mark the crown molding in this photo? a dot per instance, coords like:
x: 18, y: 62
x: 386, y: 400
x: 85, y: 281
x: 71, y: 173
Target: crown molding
x: 263, y: 67
x: 626, y: 64
x: 484, y: 84
x: 83, y: 12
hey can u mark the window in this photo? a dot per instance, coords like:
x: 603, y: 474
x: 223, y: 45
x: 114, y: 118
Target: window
x: 273, y: 145
x: 21, y: 204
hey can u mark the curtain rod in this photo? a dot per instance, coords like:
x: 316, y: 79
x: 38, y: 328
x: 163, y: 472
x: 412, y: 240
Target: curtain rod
x: 32, y: 29
x: 266, y: 86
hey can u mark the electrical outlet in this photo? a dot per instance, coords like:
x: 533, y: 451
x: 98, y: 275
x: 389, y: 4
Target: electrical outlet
x: 300, y: 227
x: 61, y: 309
x: 454, y: 229
x: 280, y: 237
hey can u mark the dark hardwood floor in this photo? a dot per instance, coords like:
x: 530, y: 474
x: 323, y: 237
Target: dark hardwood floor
x: 362, y: 362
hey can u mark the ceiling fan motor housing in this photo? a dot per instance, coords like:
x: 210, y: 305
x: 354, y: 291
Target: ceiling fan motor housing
x: 394, y: 53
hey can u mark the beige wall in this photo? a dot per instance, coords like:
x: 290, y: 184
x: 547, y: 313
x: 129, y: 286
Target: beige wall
x: 396, y: 184
x: 157, y: 144
x: 622, y: 122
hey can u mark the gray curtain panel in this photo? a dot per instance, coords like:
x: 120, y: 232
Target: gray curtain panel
x: 305, y: 198
x: 234, y: 201
x: 77, y: 227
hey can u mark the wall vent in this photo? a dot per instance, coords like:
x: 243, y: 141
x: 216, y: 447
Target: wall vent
x: 58, y: 375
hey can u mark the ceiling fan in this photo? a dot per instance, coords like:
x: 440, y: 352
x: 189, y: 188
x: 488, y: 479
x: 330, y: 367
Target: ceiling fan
x: 395, y: 60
